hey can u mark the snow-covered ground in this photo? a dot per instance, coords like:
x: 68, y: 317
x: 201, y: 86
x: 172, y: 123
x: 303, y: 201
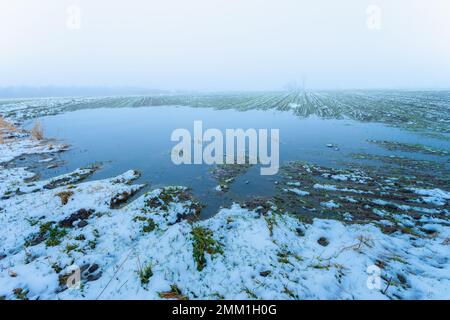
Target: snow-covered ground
x: 67, y: 239
x: 14, y: 148
x: 268, y: 256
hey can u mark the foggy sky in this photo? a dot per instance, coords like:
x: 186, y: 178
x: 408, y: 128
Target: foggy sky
x: 214, y: 45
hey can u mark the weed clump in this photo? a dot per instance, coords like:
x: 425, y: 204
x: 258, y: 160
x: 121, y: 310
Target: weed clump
x: 81, y: 237
x: 168, y: 197
x: 37, y: 132
x: 203, y: 242
x: 54, y: 236
x: 71, y: 247
x: 149, y: 225
x: 51, y: 234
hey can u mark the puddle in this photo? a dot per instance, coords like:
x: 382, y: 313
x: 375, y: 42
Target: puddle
x: 139, y: 138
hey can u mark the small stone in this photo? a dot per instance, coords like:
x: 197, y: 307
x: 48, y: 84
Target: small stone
x: 323, y: 241
x: 12, y: 274
x: 300, y: 232
x: 265, y: 273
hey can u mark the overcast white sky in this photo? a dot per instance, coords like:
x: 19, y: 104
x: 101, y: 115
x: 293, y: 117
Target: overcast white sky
x: 225, y: 44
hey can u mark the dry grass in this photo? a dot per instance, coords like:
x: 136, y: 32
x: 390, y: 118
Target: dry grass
x: 37, y: 132
x: 64, y: 196
x: 175, y: 293
x: 5, y: 126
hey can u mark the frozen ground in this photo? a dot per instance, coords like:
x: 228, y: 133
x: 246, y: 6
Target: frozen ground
x: 153, y: 247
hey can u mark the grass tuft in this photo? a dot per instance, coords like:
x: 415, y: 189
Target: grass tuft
x: 145, y: 274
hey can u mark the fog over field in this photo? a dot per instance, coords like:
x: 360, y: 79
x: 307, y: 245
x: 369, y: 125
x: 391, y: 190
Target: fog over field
x: 216, y: 45
x: 225, y: 150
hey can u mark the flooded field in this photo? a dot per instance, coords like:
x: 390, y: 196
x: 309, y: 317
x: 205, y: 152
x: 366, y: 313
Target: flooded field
x: 139, y: 138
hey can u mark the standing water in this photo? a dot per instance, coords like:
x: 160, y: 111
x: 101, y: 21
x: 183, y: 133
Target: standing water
x: 139, y: 138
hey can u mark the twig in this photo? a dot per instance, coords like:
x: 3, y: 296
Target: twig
x: 388, y: 285
x: 120, y: 266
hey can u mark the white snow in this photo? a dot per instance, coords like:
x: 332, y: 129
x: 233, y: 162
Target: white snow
x: 18, y: 147
x: 297, y: 191
x: 330, y: 187
x: 433, y: 196
x: 330, y: 204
